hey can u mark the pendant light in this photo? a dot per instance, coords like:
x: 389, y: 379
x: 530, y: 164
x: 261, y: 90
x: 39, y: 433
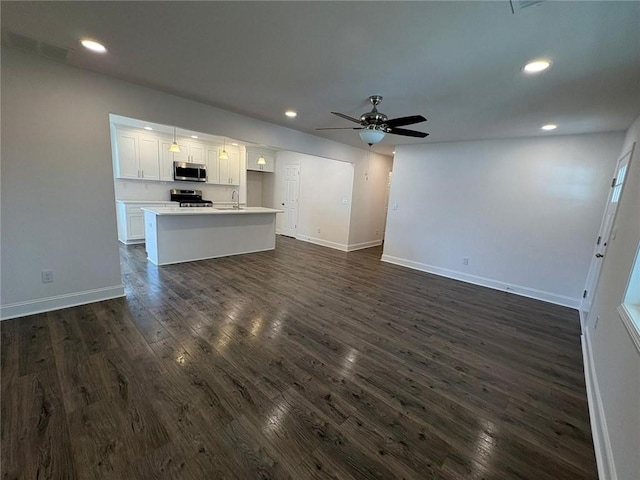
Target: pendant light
x: 261, y: 160
x: 223, y: 154
x: 174, y: 148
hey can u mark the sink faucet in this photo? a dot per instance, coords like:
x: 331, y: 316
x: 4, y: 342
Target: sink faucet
x: 236, y: 196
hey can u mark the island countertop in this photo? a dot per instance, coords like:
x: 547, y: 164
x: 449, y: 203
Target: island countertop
x: 209, y: 210
x: 186, y: 234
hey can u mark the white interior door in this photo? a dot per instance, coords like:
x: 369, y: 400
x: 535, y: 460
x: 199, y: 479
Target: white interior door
x: 604, y: 235
x: 290, y: 191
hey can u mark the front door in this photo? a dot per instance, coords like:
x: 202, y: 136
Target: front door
x: 290, y: 190
x: 604, y: 235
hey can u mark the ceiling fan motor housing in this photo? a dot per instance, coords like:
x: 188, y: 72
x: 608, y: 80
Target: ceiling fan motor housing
x: 374, y: 117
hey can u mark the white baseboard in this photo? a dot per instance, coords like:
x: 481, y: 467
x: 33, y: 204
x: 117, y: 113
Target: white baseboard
x: 31, y: 307
x: 486, y: 282
x: 324, y: 243
x: 599, y: 431
x: 583, y: 319
x: 359, y: 246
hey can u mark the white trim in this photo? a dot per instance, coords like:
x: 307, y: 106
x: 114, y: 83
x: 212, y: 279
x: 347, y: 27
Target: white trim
x: 627, y: 312
x: 359, y: 246
x: 486, y: 282
x: 324, y: 243
x: 31, y: 307
x: 583, y: 319
x: 599, y: 430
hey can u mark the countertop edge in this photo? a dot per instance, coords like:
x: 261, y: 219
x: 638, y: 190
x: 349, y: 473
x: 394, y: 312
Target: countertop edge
x: 181, y: 211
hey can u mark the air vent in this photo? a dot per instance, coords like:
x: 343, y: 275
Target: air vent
x: 54, y: 52
x: 529, y: 3
x: 31, y: 45
x: 16, y: 40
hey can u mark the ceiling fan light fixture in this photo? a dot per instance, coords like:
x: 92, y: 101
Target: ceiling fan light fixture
x: 371, y: 135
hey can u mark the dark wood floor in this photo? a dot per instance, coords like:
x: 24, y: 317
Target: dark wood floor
x: 301, y: 363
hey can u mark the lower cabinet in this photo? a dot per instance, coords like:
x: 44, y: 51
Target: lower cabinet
x: 131, y: 220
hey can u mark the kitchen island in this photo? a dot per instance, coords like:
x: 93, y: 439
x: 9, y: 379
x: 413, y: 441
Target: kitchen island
x: 185, y: 234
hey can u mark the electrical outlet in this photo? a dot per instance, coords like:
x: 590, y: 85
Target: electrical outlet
x: 395, y: 206
x: 318, y: 230
x: 377, y: 232
x: 595, y: 325
x: 465, y: 260
x: 47, y: 276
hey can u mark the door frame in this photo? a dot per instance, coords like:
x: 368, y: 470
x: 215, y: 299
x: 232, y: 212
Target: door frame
x: 604, y: 237
x: 283, y: 196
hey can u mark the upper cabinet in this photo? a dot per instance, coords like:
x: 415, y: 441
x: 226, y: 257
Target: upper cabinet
x: 223, y: 171
x: 143, y: 155
x: 190, y: 152
x: 252, y: 160
x: 138, y: 155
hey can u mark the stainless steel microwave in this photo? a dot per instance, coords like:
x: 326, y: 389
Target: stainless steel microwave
x: 189, y: 172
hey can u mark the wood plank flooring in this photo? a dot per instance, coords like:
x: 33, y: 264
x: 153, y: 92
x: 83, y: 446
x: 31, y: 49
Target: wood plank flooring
x: 300, y: 363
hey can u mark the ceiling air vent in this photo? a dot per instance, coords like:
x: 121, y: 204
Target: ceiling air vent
x: 529, y: 3
x: 517, y: 5
x: 31, y: 45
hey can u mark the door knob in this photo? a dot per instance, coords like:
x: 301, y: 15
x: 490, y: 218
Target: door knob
x: 599, y: 255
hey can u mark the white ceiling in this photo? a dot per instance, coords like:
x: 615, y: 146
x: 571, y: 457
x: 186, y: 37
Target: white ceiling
x: 456, y: 63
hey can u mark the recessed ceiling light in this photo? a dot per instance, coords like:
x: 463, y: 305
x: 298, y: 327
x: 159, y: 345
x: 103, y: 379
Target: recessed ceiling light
x: 536, y: 66
x: 194, y: 136
x: 148, y: 128
x: 291, y: 113
x: 93, y: 46
x: 234, y: 144
x: 549, y: 126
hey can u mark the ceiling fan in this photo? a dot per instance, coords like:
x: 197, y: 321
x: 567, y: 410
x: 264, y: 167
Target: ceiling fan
x: 374, y: 125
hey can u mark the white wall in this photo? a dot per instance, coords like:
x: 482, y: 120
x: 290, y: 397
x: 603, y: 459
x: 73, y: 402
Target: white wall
x: 524, y: 211
x: 58, y: 199
x: 369, y: 201
x: 324, y: 184
x: 254, y: 188
x: 613, y: 364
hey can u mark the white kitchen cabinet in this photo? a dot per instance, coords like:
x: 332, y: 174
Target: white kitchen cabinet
x: 138, y: 155
x: 252, y: 158
x: 213, y: 164
x: 190, y: 152
x: 130, y: 219
x: 143, y: 155
x: 149, y: 152
x: 166, y: 160
x: 127, y: 164
x: 230, y: 168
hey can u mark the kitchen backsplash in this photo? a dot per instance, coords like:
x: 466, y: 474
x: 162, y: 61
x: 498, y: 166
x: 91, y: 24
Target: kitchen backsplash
x: 140, y: 190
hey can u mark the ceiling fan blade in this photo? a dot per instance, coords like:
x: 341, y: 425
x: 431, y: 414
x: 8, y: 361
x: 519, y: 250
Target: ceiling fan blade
x: 347, y: 117
x: 407, y: 133
x: 340, y: 128
x: 401, y: 121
